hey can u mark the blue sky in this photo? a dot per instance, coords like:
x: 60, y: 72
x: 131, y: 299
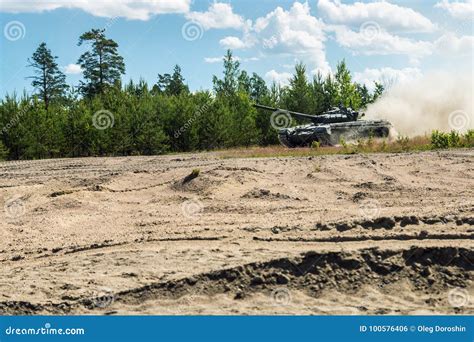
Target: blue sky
x: 380, y: 40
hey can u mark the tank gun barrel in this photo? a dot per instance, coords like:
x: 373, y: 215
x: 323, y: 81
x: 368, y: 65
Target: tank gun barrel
x: 316, y: 119
x: 313, y: 118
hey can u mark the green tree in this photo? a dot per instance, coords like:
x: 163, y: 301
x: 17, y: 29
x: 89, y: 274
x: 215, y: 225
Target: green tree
x: 243, y: 131
x: 331, y: 93
x: 378, y: 91
x: 172, y: 84
x: 258, y: 88
x: 229, y: 84
x: 244, y: 84
x: 102, y: 65
x: 49, y: 82
x: 319, y: 100
x: 299, y: 92
x: 347, y: 93
x: 364, y: 94
x: 77, y: 130
x: 267, y: 134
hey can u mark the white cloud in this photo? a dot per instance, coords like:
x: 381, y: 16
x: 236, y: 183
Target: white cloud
x: 130, y: 9
x: 72, y: 69
x: 13, y: 6
x: 458, y: 9
x: 233, y: 43
x: 218, y: 16
x: 381, y: 43
x: 236, y: 58
x: 450, y: 45
x: 282, y: 78
x: 387, y: 76
x: 295, y: 32
x: 384, y: 13
x: 212, y: 59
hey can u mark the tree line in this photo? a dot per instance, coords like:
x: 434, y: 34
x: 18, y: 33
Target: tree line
x: 103, y: 117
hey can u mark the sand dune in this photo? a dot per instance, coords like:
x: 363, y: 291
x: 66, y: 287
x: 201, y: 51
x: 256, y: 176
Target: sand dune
x: 356, y: 234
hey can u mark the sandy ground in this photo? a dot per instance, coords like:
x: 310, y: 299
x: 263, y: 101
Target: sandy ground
x: 358, y: 234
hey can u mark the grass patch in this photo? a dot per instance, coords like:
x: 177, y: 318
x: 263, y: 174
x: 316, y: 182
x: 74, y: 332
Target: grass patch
x: 437, y: 140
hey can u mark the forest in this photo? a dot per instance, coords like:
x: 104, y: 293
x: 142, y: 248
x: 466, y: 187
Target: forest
x: 101, y: 116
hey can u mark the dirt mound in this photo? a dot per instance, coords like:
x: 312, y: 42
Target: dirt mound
x: 428, y: 271
x: 390, y: 222
x: 267, y: 195
x: 199, y: 185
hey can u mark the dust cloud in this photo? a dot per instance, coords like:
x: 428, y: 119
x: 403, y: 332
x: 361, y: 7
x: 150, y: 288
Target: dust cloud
x: 442, y: 101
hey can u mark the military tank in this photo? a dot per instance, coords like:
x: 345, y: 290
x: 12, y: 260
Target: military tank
x: 328, y: 128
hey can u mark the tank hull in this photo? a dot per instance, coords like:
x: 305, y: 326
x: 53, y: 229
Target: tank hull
x: 331, y: 134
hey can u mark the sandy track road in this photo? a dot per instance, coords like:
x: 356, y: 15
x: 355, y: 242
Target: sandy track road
x: 354, y: 234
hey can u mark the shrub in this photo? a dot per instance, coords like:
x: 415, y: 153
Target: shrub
x: 404, y: 142
x: 343, y: 143
x: 469, y: 138
x: 439, y: 139
x: 454, y: 139
x: 315, y: 145
x: 451, y: 139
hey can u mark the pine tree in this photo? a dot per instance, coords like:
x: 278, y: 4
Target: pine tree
x: 172, y: 84
x: 347, y: 94
x: 299, y: 93
x: 229, y: 84
x: 364, y: 95
x: 102, y: 65
x: 319, y: 101
x: 48, y: 81
x: 244, y: 82
x: 378, y: 91
x: 331, y: 93
x: 258, y: 88
x: 177, y: 86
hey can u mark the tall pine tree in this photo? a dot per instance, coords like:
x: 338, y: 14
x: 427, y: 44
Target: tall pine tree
x: 102, y: 65
x: 49, y: 82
